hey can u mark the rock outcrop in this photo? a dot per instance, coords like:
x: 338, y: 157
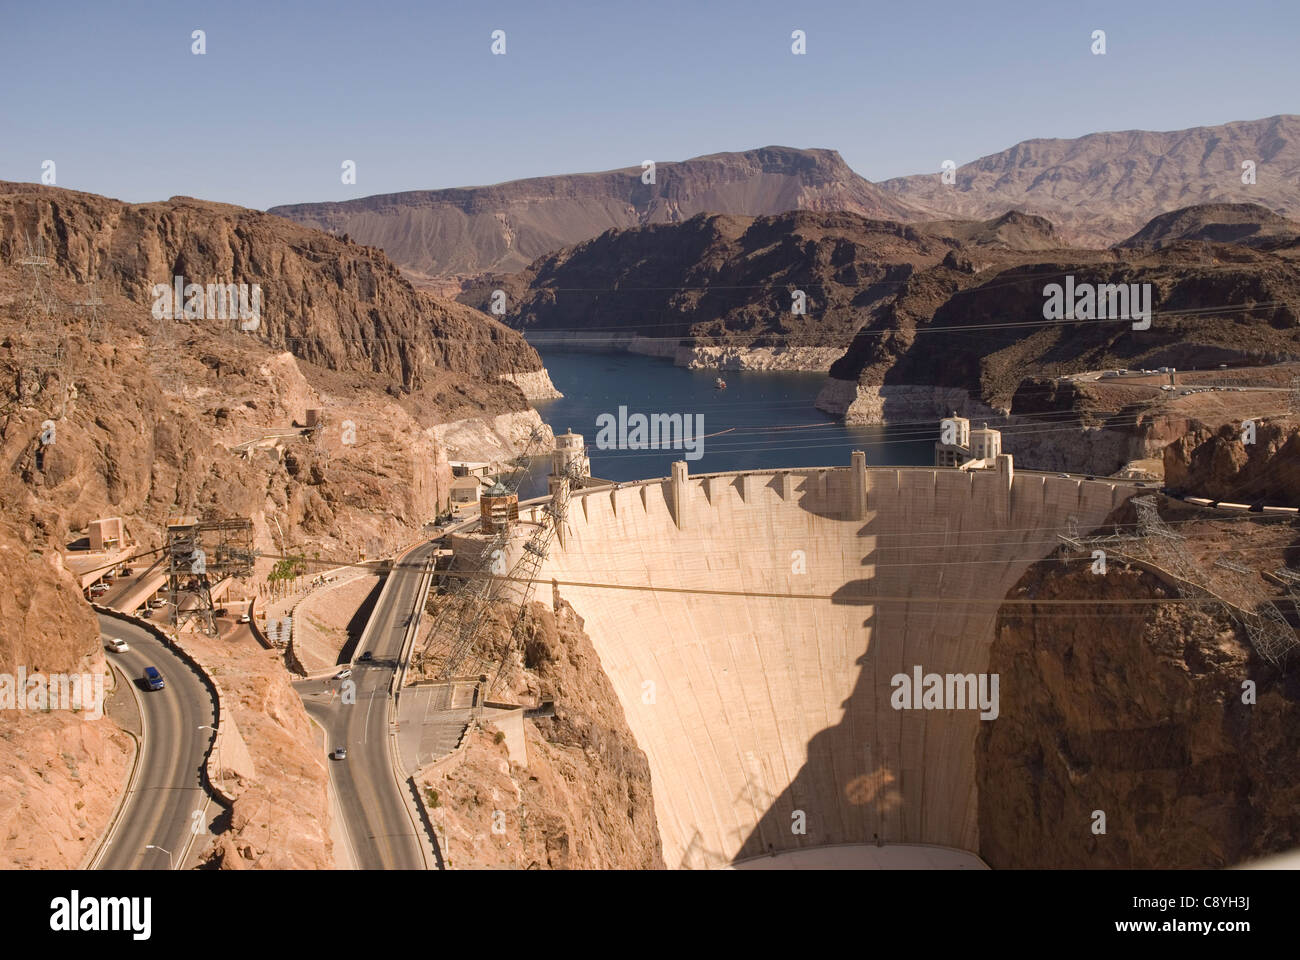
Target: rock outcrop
x: 1141, y: 714
x: 335, y: 304
x: 584, y: 799
x: 60, y: 771
x: 280, y: 819
x: 986, y: 332
x: 778, y: 292
x: 1216, y: 463
x: 1248, y: 224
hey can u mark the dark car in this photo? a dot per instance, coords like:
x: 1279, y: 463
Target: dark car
x: 366, y: 657
x: 153, y: 678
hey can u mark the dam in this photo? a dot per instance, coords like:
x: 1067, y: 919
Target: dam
x: 751, y: 623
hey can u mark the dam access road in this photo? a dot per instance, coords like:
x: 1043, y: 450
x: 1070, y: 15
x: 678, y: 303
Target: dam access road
x: 167, y: 805
x: 375, y: 817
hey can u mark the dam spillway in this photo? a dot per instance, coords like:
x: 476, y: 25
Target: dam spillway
x: 765, y: 706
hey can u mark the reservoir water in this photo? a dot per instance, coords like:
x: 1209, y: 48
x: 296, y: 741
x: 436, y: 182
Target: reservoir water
x: 762, y: 419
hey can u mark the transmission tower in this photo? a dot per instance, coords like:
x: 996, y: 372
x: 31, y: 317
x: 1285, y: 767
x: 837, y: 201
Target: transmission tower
x: 463, y: 611
x: 93, y: 326
x: 536, y: 550
x: 37, y: 263
x: 164, y: 356
x: 43, y: 341
x: 199, y: 556
x: 1165, y: 546
x: 1268, y: 630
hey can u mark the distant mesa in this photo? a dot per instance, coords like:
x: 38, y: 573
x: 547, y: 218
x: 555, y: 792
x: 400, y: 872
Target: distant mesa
x: 503, y: 228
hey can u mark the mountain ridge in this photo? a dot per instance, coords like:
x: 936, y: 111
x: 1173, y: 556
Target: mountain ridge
x: 1101, y: 187
x: 1097, y: 190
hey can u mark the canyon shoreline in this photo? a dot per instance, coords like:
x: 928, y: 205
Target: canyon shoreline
x: 775, y: 359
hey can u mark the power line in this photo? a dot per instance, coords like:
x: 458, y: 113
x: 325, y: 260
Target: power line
x: 859, y: 599
x: 574, y: 334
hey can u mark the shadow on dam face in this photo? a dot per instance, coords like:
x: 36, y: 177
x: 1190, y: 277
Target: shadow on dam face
x: 766, y: 717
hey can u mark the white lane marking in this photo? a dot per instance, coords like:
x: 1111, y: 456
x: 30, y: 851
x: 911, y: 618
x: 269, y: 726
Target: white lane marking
x: 365, y: 727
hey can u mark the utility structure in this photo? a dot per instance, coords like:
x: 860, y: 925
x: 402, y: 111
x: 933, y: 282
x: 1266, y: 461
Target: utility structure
x: 1268, y: 630
x: 489, y: 576
x: 200, y: 556
x: 43, y: 341
x: 164, y: 355
x: 463, y: 607
x: 94, y: 329
x: 536, y: 549
x: 1266, y: 627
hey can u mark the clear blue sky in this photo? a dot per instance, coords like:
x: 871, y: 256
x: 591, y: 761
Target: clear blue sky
x: 411, y: 92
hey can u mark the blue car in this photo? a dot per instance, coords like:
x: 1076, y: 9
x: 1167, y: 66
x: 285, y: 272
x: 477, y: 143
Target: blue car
x: 153, y: 678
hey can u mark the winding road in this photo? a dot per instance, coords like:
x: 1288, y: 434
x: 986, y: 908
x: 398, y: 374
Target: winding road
x: 378, y: 824
x: 166, y: 789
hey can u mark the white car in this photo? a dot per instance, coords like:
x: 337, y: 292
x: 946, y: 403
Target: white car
x: 116, y: 645
x: 342, y: 674
x: 245, y: 618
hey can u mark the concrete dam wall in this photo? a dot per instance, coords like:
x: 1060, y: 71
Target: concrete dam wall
x: 754, y: 708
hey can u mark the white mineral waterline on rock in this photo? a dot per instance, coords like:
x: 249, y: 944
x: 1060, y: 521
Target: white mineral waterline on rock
x: 864, y: 405
x: 535, y: 384
x: 806, y: 359
x: 491, y: 439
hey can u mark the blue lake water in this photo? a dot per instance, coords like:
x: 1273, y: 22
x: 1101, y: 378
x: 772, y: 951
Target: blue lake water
x: 761, y: 420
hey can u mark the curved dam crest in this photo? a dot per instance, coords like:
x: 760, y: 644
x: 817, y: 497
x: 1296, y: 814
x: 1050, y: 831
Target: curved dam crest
x: 751, y: 708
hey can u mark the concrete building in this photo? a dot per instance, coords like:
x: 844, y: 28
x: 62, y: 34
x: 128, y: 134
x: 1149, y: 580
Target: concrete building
x: 470, y: 468
x: 985, y: 444
x: 570, y: 455
x: 498, y: 508
x: 769, y: 701
x: 106, y: 534
x: 106, y: 546
x: 960, y: 446
x: 465, y: 491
